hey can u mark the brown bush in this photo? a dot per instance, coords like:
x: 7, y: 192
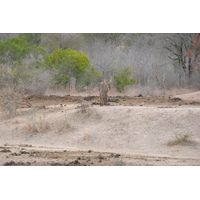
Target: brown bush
x: 11, y: 91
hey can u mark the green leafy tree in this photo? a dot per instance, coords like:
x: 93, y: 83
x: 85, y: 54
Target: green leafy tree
x: 90, y: 77
x: 67, y: 63
x: 32, y: 38
x: 124, y: 78
x: 17, y: 49
x: 24, y: 59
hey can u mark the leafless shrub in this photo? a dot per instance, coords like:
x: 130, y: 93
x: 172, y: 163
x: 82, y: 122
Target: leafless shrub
x: 62, y: 125
x: 85, y: 107
x: 38, y: 126
x: 88, y: 111
x: 42, y: 125
x: 11, y: 91
x: 40, y: 83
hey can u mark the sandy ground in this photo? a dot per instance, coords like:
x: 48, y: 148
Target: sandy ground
x: 76, y: 131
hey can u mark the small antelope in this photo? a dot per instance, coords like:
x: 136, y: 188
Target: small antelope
x: 104, y: 86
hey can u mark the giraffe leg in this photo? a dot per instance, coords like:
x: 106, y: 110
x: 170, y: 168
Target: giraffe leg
x: 106, y: 96
x: 101, y: 100
x: 105, y: 100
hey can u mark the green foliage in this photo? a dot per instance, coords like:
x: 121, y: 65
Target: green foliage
x: 25, y: 72
x: 17, y: 48
x: 32, y: 38
x: 179, y: 139
x: 23, y: 59
x: 61, y: 79
x: 67, y: 63
x: 124, y: 78
x: 119, y: 163
x: 90, y: 77
x: 14, y: 48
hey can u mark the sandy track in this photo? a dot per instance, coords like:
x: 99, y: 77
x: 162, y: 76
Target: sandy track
x: 39, y: 156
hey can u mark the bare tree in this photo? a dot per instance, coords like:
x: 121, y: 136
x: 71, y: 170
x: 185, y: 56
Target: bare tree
x: 177, y: 46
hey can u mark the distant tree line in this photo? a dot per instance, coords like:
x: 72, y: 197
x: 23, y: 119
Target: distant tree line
x: 43, y: 60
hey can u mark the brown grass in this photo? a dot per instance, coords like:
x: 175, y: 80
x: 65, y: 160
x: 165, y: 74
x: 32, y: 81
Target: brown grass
x: 37, y: 127
x: 179, y: 140
x: 62, y: 125
x: 43, y: 125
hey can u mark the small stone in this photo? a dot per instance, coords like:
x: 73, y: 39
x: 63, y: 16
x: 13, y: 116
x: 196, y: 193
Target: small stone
x: 100, y: 157
x: 76, y: 162
x: 5, y: 150
x: 9, y: 163
x: 24, y: 152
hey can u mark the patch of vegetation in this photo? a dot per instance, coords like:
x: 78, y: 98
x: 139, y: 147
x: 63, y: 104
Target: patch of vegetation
x: 90, y: 78
x: 36, y: 126
x: 88, y: 111
x: 63, y: 125
x: 85, y: 106
x: 65, y: 64
x: 11, y: 91
x: 179, y: 140
x: 124, y: 78
x: 42, y: 125
x: 119, y: 163
x: 24, y: 58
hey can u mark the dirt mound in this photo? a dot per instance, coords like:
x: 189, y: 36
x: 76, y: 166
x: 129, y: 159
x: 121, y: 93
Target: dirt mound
x: 44, y: 100
x: 195, y: 96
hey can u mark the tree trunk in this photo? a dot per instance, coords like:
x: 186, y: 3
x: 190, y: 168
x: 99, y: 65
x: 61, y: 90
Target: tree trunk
x: 189, y: 71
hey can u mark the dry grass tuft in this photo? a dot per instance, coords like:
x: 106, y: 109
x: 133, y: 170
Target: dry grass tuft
x: 85, y: 106
x: 119, y: 163
x: 62, y: 125
x: 179, y: 140
x: 87, y: 110
x: 38, y: 126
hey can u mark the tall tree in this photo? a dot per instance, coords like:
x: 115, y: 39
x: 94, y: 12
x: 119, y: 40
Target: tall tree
x: 178, y: 45
x: 65, y: 64
x: 194, y: 53
x: 16, y: 49
x: 22, y: 58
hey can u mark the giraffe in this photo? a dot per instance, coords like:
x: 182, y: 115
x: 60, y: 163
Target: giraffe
x: 104, y: 86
